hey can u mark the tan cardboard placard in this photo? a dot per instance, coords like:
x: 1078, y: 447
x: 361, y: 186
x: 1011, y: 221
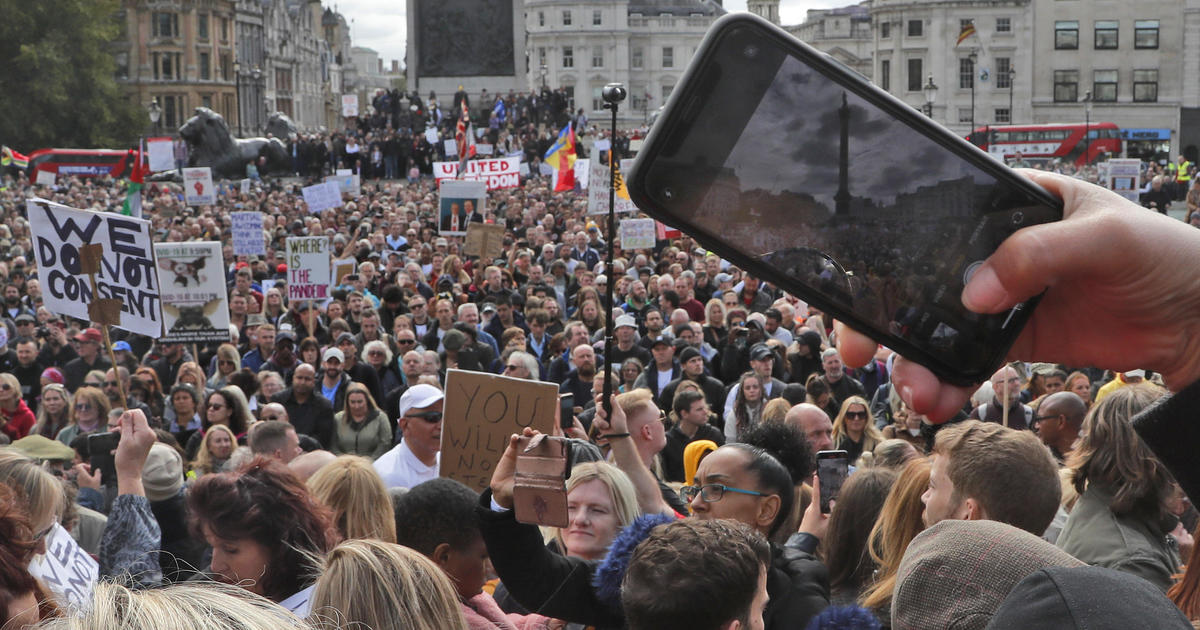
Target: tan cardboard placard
x: 485, y: 240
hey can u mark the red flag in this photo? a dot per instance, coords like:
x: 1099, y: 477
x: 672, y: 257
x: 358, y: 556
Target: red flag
x: 464, y: 139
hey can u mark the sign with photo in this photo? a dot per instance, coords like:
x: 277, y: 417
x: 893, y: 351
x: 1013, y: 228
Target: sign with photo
x: 195, y: 307
x: 460, y: 203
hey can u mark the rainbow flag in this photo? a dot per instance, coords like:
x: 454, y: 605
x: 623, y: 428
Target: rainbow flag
x: 562, y: 157
x: 967, y: 30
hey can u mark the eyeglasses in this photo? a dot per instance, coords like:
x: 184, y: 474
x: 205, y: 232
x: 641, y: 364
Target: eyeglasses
x: 375, y: 353
x: 1041, y: 418
x: 215, y: 406
x: 110, y: 383
x: 91, y: 384
x: 416, y: 305
x: 712, y: 492
x: 5, y: 386
x: 269, y: 418
x: 432, y: 417
x: 406, y: 342
x: 45, y: 532
x: 83, y: 407
x: 856, y: 415
x: 508, y: 368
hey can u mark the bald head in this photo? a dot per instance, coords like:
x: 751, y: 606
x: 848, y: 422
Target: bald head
x: 815, y: 424
x: 306, y: 464
x: 1059, y: 418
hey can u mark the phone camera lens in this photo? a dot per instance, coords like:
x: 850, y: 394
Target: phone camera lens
x: 1018, y: 218
x: 668, y: 194
x: 750, y: 51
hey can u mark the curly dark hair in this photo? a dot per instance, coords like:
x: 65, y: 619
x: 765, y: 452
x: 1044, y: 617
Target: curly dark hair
x: 264, y: 502
x: 787, y: 443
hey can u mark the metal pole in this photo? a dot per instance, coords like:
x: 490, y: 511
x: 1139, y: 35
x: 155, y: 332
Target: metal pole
x: 237, y: 81
x: 1012, y: 80
x: 608, y: 287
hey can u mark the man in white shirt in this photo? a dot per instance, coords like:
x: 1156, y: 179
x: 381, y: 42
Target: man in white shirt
x: 416, y: 458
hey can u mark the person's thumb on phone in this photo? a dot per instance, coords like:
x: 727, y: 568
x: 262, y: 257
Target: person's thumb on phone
x: 814, y: 522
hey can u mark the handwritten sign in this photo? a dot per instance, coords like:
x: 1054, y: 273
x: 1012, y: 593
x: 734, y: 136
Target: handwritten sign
x: 125, y: 272
x: 598, y: 185
x: 198, y: 186
x: 485, y: 240
x: 45, y: 178
x: 481, y: 411
x: 162, y: 154
x: 248, y: 234
x: 322, y: 196
x: 308, y: 267
x: 349, y: 105
x: 66, y: 569
x: 496, y: 172
x: 636, y: 233
x: 193, y: 292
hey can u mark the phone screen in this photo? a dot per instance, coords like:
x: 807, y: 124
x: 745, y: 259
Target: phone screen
x: 869, y: 217
x: 566, y: 404
x: 832, y: 469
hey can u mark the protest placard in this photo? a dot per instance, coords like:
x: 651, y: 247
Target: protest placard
x: 322, y: 196
x: 523, y: 170
x: 66, y: 569
x: 583, y: 172
x: 636, y: 233
x: 496, y: 172
x: 308, y: 267
x: 451, y: 147
x: 480, y: 412
x: 45, y: 178
x: 198, y: 186
x: 597, y: 188
x: 1122, y: 177
x: 162, y: 154
x: 349, y: 105
x: 460, y: 203
x: 125, y: 273
x: 348, y: 183
x: 602, y: 145
x: 194, y: 303
x: 431, y: 135
x: 244, y: 187
x: 344, y: 171
x: 485, y: 240
x: 247, y: 229
x: 343, y: 268
x: 484, y: 149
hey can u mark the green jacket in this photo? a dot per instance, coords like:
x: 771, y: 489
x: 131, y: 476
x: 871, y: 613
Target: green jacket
x: 371, y: 438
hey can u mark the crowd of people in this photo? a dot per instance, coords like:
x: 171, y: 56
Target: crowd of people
x: 289, y: 478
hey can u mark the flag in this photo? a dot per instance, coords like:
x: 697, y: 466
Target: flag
x: 10, y: 157
x: 464, y: 138
x: 968, y: 30
x: 618, y: 178
x: 133, y: 194
x: 561, y: 156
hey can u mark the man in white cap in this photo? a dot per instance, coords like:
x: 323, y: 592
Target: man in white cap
x: 625, y: 331
x: 415, y: 459
x: 334, y: 380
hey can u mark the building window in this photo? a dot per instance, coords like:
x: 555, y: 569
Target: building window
x: 167, y: 66
x: 916, y: 28
x: 668, y: 58
x: 1145, y: 86
x: 205, y: 67
x: 1003, y: 66
x: 1145, y: 34
x: 597, y: 57
x: 567, y: 17
x: 202, y: 26
x: 206, y: 101
x: 885, y: 30
x: 965, y: 115
x: 966, y: 73
x: 172, y: 107
x: 666, y: 92
x: 541, y: 18
x: 914, y: 75
x: 1107, y: 32
x: 885, y: 74
x: 541, y: 55
x: 570, y: 92
x: 638, y: 98
x: 597, y: 18
x: 224, y: 30
x: 1002, y: 115
x: 568, y: 60
x: 1066, y: 35
x: 1104, y: 86
x: 1066, y: 86
x: 636, y: 57
x: 1003, y: 25
x: 226, y: 66
x: 165, y: 25
x: 597, y: 99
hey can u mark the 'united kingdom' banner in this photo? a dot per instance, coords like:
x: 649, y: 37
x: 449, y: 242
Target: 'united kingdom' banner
x: 498, y: 173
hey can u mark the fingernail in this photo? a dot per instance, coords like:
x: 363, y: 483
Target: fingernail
x: 984, y: 293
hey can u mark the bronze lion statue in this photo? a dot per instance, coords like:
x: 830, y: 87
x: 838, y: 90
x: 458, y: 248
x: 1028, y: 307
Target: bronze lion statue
x: 211, y: 144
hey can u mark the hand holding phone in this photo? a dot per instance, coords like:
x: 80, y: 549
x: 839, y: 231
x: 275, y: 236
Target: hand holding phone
x: 832, y: 469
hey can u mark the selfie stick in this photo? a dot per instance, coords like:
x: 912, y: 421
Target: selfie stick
x: 613, y: 94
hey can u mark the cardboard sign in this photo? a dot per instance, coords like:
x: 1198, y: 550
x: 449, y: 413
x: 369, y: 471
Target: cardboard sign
x: 194, y: 299
x: 460, y: 203
x: 162, y: 154
x: 308, y: 267
x: 598, y: 177
x: 636, y: 233
x: 66, y: 569
x: 485, y: 240
x: 343, y: 268
x: 1122, y: 178
x: 198, y: 186
x: 45, y: 178
x: 322, y: 196
x: 125, y: 273
x: 349, y: 105
x: 481, y: 411
x: 496, y: 172
x: 248, y: 234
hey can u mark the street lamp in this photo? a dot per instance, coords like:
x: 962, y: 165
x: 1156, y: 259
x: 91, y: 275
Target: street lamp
x: 930, y: 91
x: 1087, y: 127
x: 542, y: 73
x: 237, y: 81
x: 155, y: 112
x: 1012, y: 83
x: 972, y: 57
x: 255, y: 74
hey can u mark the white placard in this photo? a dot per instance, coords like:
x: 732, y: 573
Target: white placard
x: 496, y: 172
x: 126, y: 267
x: 349, y: 105
x: 248, y: 234
x: 162, y: 154
x: 322, y: 196
x: 636, y: 233
x: 348, y: 183
x: 195, y: 307
x: 431, y: 135
x: 244, y: 187
x: 45, y: 178
x: 344, y: 171
x: 1122, y: 177
x: 198, y: 186
x: 523, y: 169
x: 66, y: 569
x: 602, y: 145
x: 451, y: 147
x: 598, y: 177
x: 636, y: 145
x: 583, y: 172
x: 460, y: 203
x: 308, y: 267
x: 484, y: 149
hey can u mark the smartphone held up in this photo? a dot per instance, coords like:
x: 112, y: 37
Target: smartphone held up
x: 803, y: 173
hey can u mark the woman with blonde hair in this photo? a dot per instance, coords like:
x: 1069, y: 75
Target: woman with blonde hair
x: 215, y: 450
x: 190, y: 373
x: 373, y: 584
x: 452, y: 268
x: 89, y: 414
x: 854, y: 428
x: 776, y: 409
x: 351, y: 488
x: 900, y: 520
x: 601, y: 501
x: 360, y: 427
x: 212, y: 606
x: 16, y: 419
x: 228, y: 363
x: 54, y: 411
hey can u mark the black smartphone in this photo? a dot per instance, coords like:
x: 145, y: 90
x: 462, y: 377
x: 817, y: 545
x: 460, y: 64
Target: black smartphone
x: 800, y: 171
x: 832, y: 469
x: 100, y: 455
x: 566, y: 408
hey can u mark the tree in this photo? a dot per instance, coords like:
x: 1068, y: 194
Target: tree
x: 57, y: 85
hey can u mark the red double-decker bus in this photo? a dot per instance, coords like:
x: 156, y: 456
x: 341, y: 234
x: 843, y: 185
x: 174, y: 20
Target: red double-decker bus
x: 81, y: 162
x: 1076, y: 143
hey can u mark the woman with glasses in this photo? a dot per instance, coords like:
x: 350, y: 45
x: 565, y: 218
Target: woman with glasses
x: 225, y: 406
x: 361, y: 428
x: 378, y: 355
x: 854, y: 429
x: 89, y: 413
x: 631, y: 369
x: 269, y: 384
x: 54, y: 411
x: 16, y: 419
x: 228, y: 362
x: 95, y: 378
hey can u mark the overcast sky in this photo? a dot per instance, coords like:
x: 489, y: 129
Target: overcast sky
x: 381, y: 24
